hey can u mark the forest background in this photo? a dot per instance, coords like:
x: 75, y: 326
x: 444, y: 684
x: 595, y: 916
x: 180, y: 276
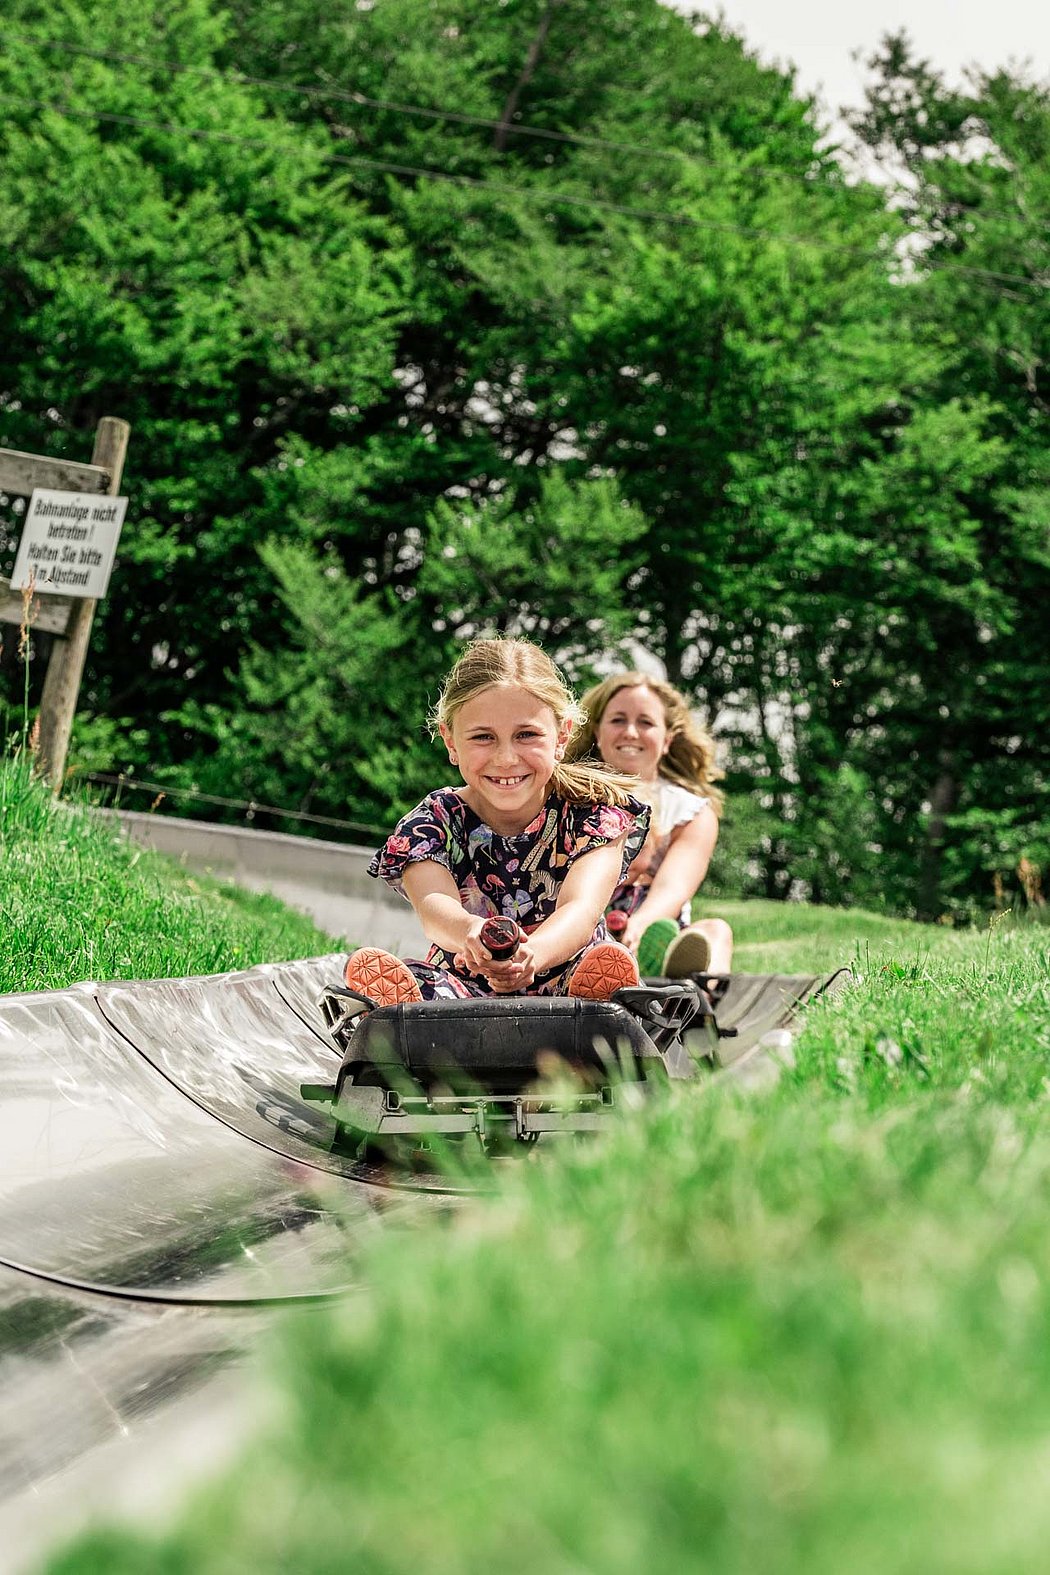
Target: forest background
x: 434, y: 318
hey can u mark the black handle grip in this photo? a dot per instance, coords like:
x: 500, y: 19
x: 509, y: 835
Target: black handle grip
x: 501, y: 937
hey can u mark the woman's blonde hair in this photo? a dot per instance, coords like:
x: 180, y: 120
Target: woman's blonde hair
x: 485, y: 663
x: 690, y: 758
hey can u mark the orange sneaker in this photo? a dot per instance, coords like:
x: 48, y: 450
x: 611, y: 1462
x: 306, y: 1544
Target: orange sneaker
x: 384, y: 978
x: 602, y: 971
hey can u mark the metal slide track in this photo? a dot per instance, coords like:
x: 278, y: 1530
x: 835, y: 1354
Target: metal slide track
x: 143, y: 1240
x: 757, y: 1016
x: 163, y: 1187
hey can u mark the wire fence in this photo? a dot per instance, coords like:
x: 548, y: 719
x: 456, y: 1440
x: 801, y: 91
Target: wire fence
x: 250, y: 808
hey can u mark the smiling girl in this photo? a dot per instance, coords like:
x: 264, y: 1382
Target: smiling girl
x: 527, y: 837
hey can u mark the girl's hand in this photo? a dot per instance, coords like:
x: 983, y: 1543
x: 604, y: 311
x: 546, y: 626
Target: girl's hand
x: 473, y: 957
x: 514, y: 975
x: 506, y: 978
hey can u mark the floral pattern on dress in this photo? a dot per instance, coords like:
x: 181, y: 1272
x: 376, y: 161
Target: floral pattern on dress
x: 513, y: 877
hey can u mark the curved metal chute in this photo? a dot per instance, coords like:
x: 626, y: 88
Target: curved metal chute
x: 162, y: 1189
x: 163, y: 1186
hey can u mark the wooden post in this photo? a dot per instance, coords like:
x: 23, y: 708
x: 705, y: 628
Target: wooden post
x: 58, y: 702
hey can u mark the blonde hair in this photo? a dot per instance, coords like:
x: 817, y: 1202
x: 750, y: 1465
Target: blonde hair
x: 690, y: 758
x: 486, y: 663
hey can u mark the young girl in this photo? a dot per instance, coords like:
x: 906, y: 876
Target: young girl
x: 642, y: 726
x: 526, y: 838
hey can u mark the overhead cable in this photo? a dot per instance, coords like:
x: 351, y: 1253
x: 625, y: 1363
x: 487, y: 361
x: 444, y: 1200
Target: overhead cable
x: 390, y: 106
x: 501, y: 188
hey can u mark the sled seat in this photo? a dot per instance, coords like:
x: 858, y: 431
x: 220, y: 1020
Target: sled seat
x: 460, y: 1066
x: 500, y: 1044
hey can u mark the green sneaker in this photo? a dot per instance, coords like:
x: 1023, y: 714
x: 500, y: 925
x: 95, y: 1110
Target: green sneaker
x: 689, y: 952
x: 653, y: 945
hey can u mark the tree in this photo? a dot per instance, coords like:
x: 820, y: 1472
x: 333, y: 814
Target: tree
x: 975, y: 190
x: 219, y: 291
x: 359, y: 654
x: 553, y: 317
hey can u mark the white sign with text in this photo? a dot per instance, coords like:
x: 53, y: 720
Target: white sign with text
x: 68, y: 543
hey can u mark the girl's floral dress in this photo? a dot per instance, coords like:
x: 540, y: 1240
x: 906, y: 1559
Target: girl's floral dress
x: 516, y: 877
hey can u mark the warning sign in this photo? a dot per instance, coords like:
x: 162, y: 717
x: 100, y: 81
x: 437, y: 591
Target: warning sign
x: 68, y: 543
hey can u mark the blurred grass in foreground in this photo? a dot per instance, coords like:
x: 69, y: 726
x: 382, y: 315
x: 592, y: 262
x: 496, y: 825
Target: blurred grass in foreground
x: 802, y: 1332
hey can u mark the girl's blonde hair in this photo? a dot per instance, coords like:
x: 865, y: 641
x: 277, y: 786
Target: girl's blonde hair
x: 690, y: 759
x: 525, y: 666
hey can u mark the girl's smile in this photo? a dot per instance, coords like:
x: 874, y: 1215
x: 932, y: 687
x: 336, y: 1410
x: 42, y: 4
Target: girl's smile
x: 506, y: 744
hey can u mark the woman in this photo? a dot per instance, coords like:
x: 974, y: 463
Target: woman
x: 642, y: 727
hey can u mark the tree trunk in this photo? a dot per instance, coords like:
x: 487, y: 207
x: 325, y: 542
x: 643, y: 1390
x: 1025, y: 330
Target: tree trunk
x: 942, y: 801
x: 532, y: 60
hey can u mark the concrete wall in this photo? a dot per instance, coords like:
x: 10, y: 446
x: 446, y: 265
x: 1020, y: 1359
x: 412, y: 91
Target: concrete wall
x: 326, y: 880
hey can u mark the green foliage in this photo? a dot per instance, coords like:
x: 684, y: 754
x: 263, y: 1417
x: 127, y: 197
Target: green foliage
x: 554, y: 569
x: 217, y: 291
x: 977, y: 190
x: 647, y: 369
x: 106, y: 744
x: 299, y: 733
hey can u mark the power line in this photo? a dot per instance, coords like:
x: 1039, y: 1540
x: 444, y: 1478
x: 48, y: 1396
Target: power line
x: 365, y: 101
x: 250, y: 807
x: 498, y: 188
x: 386, y: 166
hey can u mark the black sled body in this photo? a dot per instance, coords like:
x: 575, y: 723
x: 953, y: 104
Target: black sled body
x: 516, y: 1066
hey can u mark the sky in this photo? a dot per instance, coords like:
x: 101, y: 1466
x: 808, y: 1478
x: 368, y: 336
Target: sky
x: 820, y: 36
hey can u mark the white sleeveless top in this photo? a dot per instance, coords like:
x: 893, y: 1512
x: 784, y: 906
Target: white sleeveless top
x: 673, y: 806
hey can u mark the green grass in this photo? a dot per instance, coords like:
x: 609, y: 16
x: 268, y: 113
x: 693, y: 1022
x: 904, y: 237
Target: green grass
x: 80, y: 902
x: 807, y: 1331
x: 789, y: 937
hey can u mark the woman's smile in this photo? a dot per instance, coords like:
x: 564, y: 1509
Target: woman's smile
x: 632, y: 732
